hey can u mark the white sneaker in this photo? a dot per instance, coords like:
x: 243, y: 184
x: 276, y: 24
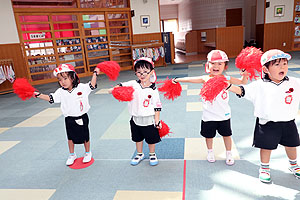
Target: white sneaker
x: 71, y: 159
x: 87, y: 157
x: 211, y: 157
x: 137, y: 159
x: 153, y: 159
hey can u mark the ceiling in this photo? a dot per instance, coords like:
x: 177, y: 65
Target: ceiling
x: 169, y: 2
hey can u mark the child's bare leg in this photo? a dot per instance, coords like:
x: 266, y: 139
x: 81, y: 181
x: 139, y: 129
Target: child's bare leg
x: 71, y: 146
x: 139, y: 146
x: 151, y: 148
x: 87, y: 146
x: 209, y: 143
x: 291, y: 152
x: 228, y: 146
x: 265, y: 155
x: 227, y: 142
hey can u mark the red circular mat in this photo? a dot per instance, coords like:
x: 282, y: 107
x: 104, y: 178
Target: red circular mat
x: 78, y: 164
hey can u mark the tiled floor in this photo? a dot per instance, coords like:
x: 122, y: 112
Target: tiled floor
x: 33, y: 150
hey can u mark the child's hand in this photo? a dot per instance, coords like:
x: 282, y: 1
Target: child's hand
x: 36, y: 94
x: 158, y: 125
x: 174, y: 80
x: 97, y: 70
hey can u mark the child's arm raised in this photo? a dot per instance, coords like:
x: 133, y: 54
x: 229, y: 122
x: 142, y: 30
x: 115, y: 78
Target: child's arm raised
x: 240, y: 81
x: 196, y: 79
x: 239, y: 90
x: 94, y: 77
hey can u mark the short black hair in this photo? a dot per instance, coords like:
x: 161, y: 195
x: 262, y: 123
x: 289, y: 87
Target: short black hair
x: 143, y: 64
x: 267, y: 64
x: 73, y: 76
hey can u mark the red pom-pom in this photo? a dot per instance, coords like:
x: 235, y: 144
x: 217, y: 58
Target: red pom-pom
x: 213, y: 87
x: 110, y: 68
x: 123, y: 93
x: 170, y: 90
x: 165, y: 130
x: 23, y: 89
x: 249, y: 60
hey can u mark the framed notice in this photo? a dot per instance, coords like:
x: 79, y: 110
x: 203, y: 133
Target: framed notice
x: 279, y: 11
x: 145, y: 20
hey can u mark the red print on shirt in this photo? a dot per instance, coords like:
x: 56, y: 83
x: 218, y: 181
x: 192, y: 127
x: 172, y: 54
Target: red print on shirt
x: 147, y: 101
x: 288, y: 99
x: 224, y: 95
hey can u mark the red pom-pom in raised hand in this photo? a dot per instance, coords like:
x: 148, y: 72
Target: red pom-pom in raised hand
x: 170, y: 90
x: 213, y: 87
x: 23, y: 88
x: 165, y: 130
x: 249, y: 60
x: 123, y: 93
x: 110, y: 68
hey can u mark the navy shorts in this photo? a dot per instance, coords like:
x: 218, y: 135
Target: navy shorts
x: 269, y: 135
x: 139, y: 133
x: 78, y: 132
x: 209, y: 128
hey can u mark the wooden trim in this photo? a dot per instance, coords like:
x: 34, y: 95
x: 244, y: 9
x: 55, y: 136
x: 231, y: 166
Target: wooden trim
x: 67, y: 10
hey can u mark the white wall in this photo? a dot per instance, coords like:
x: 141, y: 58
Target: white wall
x: 150, y: 8
x: 260, y: 10
x: 9, y: 32
x: 169, y: 11
x: 288, y: 13
x: 204, y: 14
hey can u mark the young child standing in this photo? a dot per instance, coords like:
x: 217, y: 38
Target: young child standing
x: 276, y: 100
x: 74, y: 104
x: 216, y: 115
x: 144, y: 110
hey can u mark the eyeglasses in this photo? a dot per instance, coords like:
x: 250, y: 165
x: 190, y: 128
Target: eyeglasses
x: 142, y: 73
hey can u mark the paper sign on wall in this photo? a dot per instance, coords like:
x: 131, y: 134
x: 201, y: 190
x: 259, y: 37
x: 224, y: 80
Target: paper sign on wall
x: 37, y: 35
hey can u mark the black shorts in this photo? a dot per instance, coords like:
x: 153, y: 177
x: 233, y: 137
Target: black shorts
x: 139, y: 133
x: 269, y: 135
x: 78, y: 133
x: 209, y: 128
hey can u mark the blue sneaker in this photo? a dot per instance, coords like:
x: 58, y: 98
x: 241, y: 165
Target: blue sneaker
x: 137, y: 159
x: 153, y: 159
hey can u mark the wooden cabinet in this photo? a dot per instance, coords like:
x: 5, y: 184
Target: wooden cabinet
x: 82, y: 39
x: 296, y: 33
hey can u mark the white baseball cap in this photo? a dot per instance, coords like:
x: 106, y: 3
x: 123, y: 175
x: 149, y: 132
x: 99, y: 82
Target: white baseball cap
x: 63, y: 68
x: 215, y: 56
x: 273, y: 54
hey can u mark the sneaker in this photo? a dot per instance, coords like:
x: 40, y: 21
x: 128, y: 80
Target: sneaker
x: 264, y: 175
x: 295, y: 170
x: 153, y: 159
x: 211, y: 157
x: 229, y: 159
x: 71, y: 159
x: 137, y: 159
x: 87, y: 157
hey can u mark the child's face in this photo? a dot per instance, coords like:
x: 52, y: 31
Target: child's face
x: 278, y: 70
x: 65, y: 81
x: 216, y: 68
x: 143, y: 74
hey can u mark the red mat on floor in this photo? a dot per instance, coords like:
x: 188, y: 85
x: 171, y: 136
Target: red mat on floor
x: 78, y: 164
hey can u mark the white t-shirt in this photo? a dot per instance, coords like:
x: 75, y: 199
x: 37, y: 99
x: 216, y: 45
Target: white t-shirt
x: 145, y: 100
x: 274, y: 102
x: 73, y: 103
x: 219, y: 109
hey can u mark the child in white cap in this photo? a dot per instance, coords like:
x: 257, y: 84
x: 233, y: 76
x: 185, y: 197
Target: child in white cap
x: 216, y: 115
x: 276, y: 100
x: 74, y: 104
x: 144, y: 110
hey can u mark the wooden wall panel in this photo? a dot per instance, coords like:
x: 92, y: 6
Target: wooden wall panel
x: 191, y: 45
x: 275, y: 34
x: 14, y: 52
x: 206, y: 46
x: 230, y: 40
x: 260, y: 36
x: 146, y: 39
